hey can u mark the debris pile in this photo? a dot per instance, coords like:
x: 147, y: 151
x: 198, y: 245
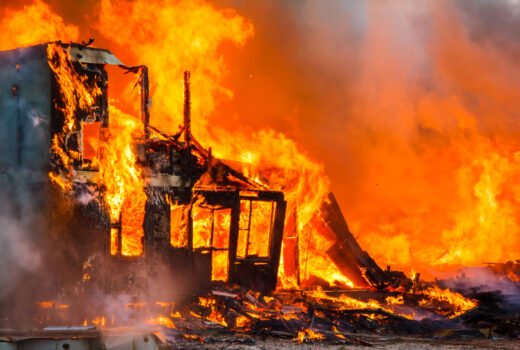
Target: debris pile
x: 341, y: 316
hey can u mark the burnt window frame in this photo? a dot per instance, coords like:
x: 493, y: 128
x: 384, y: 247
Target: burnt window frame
x: 250, y: 214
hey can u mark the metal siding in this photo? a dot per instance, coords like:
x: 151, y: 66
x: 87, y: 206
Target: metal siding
x: 25, y: 121
x: 8, y: 346
x: 24, y: 130
x: 51, y: 344
x: 8, y: 117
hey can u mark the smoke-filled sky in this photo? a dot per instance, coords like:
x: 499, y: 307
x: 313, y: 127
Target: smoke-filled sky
x: 411, y: 106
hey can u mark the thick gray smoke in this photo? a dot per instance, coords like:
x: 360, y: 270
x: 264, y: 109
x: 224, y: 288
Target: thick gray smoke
x: 21, y: 212
x: 481, y: 279
x: 23, y: 222
x: 20, y: 254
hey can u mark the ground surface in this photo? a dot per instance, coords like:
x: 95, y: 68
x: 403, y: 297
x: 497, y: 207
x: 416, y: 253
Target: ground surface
x: 393, y: 343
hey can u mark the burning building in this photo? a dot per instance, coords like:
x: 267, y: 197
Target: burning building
x: 199, y: 221
x: 124, y: 208
x: 131, y: 222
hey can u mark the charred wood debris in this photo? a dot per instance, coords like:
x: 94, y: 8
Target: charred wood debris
x: 233, y: 315
x: 328, y: 317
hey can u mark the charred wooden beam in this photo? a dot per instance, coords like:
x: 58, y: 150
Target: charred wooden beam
x: 277, y: 236
x: 347, y: 244
x: 233, y: 235
x: 145, y: 109
x: 187, y: 108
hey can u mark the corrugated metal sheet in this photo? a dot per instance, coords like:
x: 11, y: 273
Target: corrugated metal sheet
x: 93, y: 55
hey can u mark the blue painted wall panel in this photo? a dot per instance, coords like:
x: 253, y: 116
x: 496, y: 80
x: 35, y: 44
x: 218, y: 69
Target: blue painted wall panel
x: 25, y: 120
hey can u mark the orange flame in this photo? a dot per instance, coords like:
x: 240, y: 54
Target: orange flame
x: 191, y: 33
x: 162, y: 320
x: 460, y: 304
x: 122, y: 177
x: 345, y: 302
x: 45, y: 26
x: 76, y: 92
x: 399, y: 300
x: 215, y: 315
x: 308, y: 335
x: 171, y: 37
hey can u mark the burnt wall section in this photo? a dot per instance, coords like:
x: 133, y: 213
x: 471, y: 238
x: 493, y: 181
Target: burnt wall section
x: 72, y: 142
x: 169, y: 268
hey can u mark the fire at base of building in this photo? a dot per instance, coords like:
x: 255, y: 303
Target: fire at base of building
x: 200, y: 222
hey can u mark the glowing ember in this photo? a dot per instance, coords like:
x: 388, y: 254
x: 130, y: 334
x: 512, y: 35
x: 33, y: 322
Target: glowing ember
x: 337, y: 333
x: 215, y: 315
x: 242, y: 322
x: 344, y: 302
x: 395, y: 300
x: 308, y: 335
x: 51, y: 305
x: 99, y: 321
x: 347, y: 302
x: 162, y: 320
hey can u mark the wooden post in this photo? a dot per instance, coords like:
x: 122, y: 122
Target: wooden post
x: 187, y: 108
x: 145, y: 109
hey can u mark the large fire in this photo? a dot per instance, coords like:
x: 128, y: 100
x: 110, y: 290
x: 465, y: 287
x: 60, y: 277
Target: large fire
x: 468, y: 218
x: 191, y: 36
x: 270, y: 157
x: 45, y: 26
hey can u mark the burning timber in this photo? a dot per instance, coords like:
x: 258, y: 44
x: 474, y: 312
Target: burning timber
x: 126, y: 214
